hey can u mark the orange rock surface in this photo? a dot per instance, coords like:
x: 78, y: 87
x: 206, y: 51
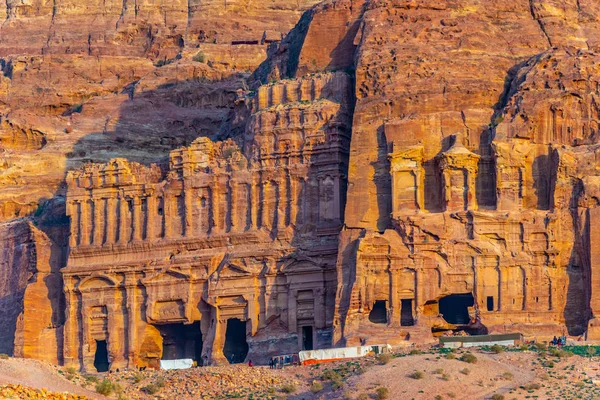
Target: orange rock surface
x: 392, y: 170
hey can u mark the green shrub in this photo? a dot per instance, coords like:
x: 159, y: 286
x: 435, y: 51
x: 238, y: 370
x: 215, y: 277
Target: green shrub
x: 151, y: 389
x: 105, y: 387
x: 414, y: 352
x: 384, y: 358
x: 465, y: 371
x: 450, y: 356
x: 199, y: 57
x: 288, y: 388
x: 382, y: 393
x: 4, y: 356
x: 330, y: 375
x: 497, y: 349
x: 160, y: 382
x: 507, y: 376
x: 445, y: 377
x: 363, y: 396
x: 438, y: 371
x: 316, y: 387
x: 468, y: 358
x: 497, y: 396
x: 532, y: 387
x: 91, y: 379
x: 137, y: 378
x: 417, y: 375
x: 560, y: 353
x: 452, y: 395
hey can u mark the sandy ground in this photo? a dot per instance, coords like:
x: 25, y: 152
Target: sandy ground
x: 519, y: 375
x: 39, y: 375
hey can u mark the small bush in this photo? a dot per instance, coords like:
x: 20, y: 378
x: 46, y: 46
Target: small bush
x: 151, y: 389
x: 451, y: 356
x: 415, y: 352
x: 316, y: 387
x: 4, y: 356
x: 137, y: 378
x: 580, y: 384
x: 363, y: 396
x: 105, y: 387
x: 452, y: 395
x: 438, y: 397
x: 382, y: 393
x: 468, y: 358
x: 330, y: 375
x: 497, y: 349
x: 532, y: 387
x: 288, y: 388
x: 507, y: 376
x: 445, y: 377
x: 160, y: 382
x: 541, y: 346
x: 497, y: 396
x: 560, y: 353
x: 384, y: 358
x: 199, y: 57
x: 465, y: 371
x: 590, y: 351
x: 438, y: 371
x: 91, y: 379
x: 417, y: 375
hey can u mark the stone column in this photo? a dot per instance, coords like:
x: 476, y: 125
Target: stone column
x: 70, y: 352
x: 84, y: 229
x: 98, y: 221
x: 73, y: 212
x: 216, y: 212
x: 395, y: 303
x: 319, y: 308
x: 151, y: 215
x: 233, y: 212
x: 255, y: 203
x: 137, y: 219
x: 168, y: 200
x: 131, y: 319
x: 253, y: 313
x: 123, y: 217
x: 294, y: 201
x: 111, y: 220
x: 264, y: 205
x: 188, y: 198
x: 292, y: 311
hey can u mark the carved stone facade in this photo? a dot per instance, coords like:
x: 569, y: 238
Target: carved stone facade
x: 233, y: 230
x: 393, y: 203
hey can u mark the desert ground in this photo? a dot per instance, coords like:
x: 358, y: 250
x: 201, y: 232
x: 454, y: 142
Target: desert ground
x: 526, y: 372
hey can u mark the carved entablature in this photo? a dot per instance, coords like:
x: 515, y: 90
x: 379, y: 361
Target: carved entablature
x: 408, y: 179
x: 459, y: 167
x: 168, y: 295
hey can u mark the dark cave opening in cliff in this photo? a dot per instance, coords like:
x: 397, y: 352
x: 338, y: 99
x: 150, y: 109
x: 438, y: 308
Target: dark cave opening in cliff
x: 101, y: 357
x: 378, y: 314
x: 406, y: 313
x: 455, y: 308
x: 181, y: 341
x: 236, y: 347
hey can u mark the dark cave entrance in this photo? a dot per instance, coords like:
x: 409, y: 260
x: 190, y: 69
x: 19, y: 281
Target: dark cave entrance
x: 455, y: 308
x: 236, y: 347
x: 181, y: 341
x: 406, y: 313
x: 101, y: 357
x: 307, y: 338
x: 378, y: 314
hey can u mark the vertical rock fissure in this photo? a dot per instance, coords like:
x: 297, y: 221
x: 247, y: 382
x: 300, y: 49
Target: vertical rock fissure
x: 540, y: 23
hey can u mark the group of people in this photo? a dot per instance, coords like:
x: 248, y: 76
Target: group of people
x: 560, y: 341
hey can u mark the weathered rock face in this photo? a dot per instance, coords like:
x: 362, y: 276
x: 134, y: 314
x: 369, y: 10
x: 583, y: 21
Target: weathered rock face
x: 400, y: 169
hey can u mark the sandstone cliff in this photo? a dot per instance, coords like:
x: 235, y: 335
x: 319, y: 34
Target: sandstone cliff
x: 393, y: 170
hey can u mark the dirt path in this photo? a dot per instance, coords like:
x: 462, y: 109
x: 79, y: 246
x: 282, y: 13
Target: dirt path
x: 38, y: 375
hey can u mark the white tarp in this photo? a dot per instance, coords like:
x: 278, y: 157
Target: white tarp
x: 343, y: 352
x: 177, y: 364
